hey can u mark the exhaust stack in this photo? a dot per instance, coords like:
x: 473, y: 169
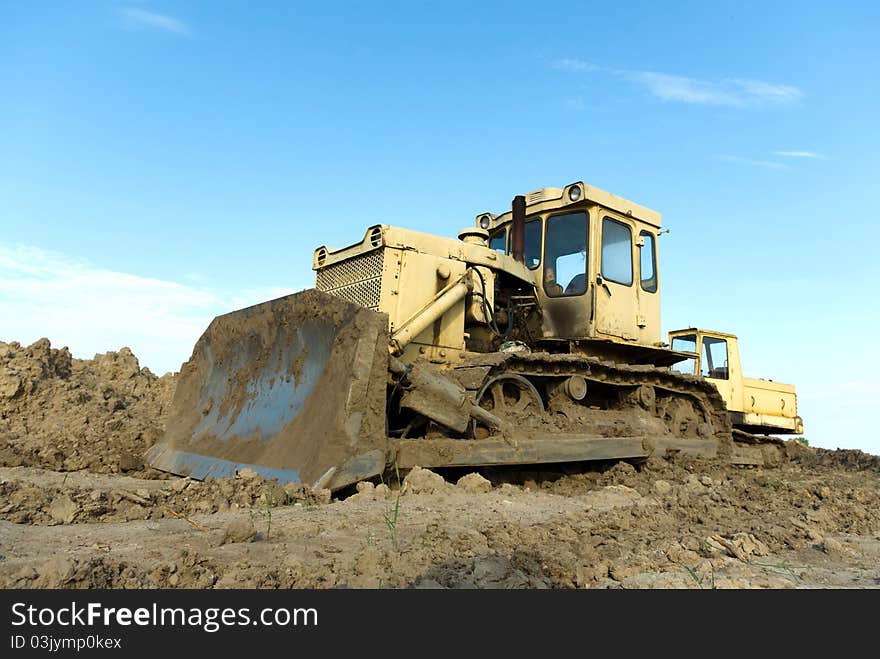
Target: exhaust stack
x: 518, y: 231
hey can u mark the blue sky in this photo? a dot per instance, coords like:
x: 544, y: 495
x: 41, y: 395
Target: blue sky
x: 164, y: 162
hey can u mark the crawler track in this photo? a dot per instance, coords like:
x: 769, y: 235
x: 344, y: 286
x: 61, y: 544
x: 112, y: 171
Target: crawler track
x: 616, y: 411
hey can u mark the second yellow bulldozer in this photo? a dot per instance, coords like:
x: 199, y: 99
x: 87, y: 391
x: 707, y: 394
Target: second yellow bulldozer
x: 532, y: 338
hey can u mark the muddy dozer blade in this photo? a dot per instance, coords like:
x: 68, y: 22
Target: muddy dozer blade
x: 293, y: 388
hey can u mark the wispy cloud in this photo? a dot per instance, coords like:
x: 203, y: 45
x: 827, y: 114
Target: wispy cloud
x: 799, y: 154
x: 677, y: 88
x: 766, y: 164
x: 734, y: 92
x: 93, y: 309
x: 731, y: 92
x: 139, y: 19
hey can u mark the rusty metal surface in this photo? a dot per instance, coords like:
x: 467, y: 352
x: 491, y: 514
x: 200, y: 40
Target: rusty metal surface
x: 289, y: 388
x: 518, y: 230
x: 543, y: 450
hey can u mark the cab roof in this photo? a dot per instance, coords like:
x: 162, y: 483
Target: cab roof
x: 694, y: 330
x: 548, y: 199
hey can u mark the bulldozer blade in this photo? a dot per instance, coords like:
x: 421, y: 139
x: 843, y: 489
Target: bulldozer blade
x: 293, y: 389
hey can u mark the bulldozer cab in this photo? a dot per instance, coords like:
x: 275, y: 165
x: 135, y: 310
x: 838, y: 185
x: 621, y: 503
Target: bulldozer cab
x: 594, y: 259
x: 715, y: 357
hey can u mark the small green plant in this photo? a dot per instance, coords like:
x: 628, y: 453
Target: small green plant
x: 271, y: 502
x: 265, y: 513
x: 783, y: 567
x: 802, y: 440
x: 702, y: 581
x: 391, y: 513
x: 268, y: 519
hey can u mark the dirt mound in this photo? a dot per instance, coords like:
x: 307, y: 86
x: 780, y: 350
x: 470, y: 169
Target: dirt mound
x: 849, y: 459
x: 38, y: 497
x: 68, y: 414
x: 700, y: 501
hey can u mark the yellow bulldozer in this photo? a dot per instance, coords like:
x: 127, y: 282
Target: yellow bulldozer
x: 756, y: 406
x: 532, y: 338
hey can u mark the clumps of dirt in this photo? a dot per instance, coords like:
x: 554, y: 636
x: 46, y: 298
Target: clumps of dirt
x: 849, y: 459
x: 682, y: 523
x: 424, y: 481
x: 368, y: 491
x: 474, y: 483
x: 691, y: 518
x: 68, y: 414
x: 24, y: 502
x: 519, y: 570
x: 704, y: 513
x: 188, y: 570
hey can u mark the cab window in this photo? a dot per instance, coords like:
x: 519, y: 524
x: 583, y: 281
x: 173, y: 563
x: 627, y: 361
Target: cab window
x: 533, y: 243
x: 498, y: 242
x: 685, y: 343
x: 565, y: 255
x: 617, y: 263
x: 648, y: 262
x: 714, y: 361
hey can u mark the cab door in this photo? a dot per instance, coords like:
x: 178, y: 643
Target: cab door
x: 715, y: 365
x: 564, y: 290
x: 615, y: 291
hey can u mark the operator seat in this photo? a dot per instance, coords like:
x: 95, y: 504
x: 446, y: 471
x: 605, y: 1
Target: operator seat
x: 577, y: 285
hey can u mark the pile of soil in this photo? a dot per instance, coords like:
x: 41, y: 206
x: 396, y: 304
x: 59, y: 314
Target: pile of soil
x: 46, y: 498
x: 66, y: 414
x: 851, y: 459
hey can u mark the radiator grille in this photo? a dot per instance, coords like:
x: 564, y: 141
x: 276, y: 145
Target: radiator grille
x: 357, y: 280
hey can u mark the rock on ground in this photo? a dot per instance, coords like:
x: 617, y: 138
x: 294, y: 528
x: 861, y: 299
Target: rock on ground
x: 474, y: 483
x: 424, y: 481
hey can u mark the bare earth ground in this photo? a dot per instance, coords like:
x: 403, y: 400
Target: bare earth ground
x: 78, y: 510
